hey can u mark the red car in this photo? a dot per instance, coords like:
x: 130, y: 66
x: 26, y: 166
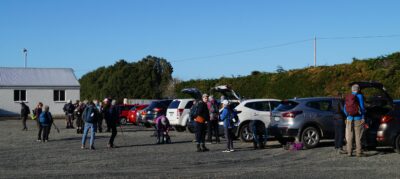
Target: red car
x: 133, y: 113
x: 123, y: 112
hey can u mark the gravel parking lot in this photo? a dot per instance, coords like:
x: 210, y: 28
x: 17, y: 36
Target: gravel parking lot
x: 138, y: 157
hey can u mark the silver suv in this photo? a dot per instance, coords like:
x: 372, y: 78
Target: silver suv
x: 306, y: 119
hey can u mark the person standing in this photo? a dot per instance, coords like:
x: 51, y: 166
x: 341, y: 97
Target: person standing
x: 101, y: 117
x: 45, y: 120
x: 228, y: 117
x: 112, y: 115
x: 212, y: 126
x: 25, y: 111
x: 339, y: 120
x: 37, y: 112
x: 90, y: 116
x: 259, y: 134
x: 355, y: 112
x: 201, y: 116
x: 69, y: 114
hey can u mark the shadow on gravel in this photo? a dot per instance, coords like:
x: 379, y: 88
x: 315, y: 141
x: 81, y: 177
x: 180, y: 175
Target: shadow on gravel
x: 77, y: 138
x: 153, y: 144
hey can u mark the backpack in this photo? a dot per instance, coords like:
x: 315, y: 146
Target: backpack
x: 352, y: 105
x: 194, y: 111
x: 90, y: 114
x: 44, y: 118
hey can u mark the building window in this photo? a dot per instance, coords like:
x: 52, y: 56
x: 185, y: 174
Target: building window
x: 59, y: 95
x: 19, y: 95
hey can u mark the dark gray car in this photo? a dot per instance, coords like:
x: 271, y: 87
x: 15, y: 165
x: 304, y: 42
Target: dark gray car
x: 307, y: 119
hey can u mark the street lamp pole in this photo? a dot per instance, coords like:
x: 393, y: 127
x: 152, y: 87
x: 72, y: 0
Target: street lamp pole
x: 26, y: 57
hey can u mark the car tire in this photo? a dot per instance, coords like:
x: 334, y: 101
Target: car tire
x: 122, y: 121
x: 397, y: 144
x: 310, y: 137
x: 245, y: 134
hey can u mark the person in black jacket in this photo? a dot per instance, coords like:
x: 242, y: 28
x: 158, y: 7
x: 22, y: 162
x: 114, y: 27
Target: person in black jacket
x: 201, y: 116
x: 112, y: 115
x: 25, y: 111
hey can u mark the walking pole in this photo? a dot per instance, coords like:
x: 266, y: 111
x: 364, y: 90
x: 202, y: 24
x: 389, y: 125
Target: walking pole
x: 58, y: 130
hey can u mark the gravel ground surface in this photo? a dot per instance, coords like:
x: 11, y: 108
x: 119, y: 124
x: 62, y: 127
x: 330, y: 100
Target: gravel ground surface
x: 138, y: 157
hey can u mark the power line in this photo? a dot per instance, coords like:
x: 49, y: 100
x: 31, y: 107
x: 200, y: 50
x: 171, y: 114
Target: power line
x: 285, y: 44
x: 243, y: 51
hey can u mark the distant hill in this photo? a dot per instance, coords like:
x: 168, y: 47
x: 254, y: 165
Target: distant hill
x: 311, y: 81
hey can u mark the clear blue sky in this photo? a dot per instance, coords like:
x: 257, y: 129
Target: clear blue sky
x: 201, y: 39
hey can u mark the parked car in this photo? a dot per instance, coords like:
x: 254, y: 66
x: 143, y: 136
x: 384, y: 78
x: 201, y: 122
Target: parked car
x: 254, y: 109
x: 389, y: 129
x: 228, y: 94
x: 123, y: 112
x: 178, y: 113
x: 307, y: 119
x: 134, y: 113
x: 154, y: 110
x: 311, y: 119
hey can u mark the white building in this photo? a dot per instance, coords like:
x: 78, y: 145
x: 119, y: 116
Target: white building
x: 51, y: 86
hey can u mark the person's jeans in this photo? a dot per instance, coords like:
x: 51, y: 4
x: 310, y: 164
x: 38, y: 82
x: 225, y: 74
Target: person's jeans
x: 45, y: 133
x: 113, y: 134
x: 24, y: 121
x: 40, y: 132
x: 229, y: 137
x: 339, y: 133
x: 357, y: 129
x: 92, y: 128
x: 200, y: 132
x: 212, y: 129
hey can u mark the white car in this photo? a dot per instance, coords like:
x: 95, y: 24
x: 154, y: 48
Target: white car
x: 178, y: 113
x: 254, y: 109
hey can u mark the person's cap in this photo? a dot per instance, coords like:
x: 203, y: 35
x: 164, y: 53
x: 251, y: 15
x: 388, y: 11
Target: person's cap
x: 225, y: 102
x: 355, y: 87
x: 205, y: 95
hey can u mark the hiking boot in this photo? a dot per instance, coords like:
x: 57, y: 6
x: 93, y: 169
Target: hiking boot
x: 204, y: 148
x: 92, y: 148
x: 198, y: 148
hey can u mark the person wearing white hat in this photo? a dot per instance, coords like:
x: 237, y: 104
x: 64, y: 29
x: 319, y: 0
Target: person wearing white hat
x: 227, y: 116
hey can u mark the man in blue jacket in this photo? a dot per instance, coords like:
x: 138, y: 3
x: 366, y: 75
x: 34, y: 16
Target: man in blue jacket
x: 355, y: 113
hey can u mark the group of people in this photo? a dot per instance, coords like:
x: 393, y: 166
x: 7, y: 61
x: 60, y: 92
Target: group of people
x: 352, y: 124
x: 89, y: 116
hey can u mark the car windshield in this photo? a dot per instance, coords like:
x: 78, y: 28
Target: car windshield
x: 286, y: 105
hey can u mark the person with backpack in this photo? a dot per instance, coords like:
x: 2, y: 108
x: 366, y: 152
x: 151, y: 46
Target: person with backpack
x: 90, y: 115
x: 45, y: 120
x: 355, y: 112
x: 69, y: 114
x: 229, y: 117
x: 212, y: 126
x: 201, y: 115
x: 259, y: 134
x: 101, y: 117
x: 25, y: 111
x: 163, y: 126
x: 37, y: 111
x: 112, y: 118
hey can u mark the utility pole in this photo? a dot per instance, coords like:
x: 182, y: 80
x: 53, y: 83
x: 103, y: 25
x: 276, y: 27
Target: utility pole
x: 315, y: 51
x: 26, y: 56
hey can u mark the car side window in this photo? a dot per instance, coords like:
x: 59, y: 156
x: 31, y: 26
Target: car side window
x: 320, y: 105
x: 189, y: 105
x: 274, y: 104
x: 259, y: 106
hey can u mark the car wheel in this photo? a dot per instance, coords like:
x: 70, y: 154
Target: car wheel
x: 397, y: 144
x: 310, y: 137
x: 245, y: 134
x: 122, y: 121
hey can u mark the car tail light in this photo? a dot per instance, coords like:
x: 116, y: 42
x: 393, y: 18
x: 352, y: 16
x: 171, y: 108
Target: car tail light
x: 143, y: 112
x: 386, y: 119
x: 180, y: 112
x: 291, y: 114
x: 157, y: 109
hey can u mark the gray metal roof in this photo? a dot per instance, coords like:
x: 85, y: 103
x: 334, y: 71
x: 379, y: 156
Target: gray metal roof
x: 37, y: 77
